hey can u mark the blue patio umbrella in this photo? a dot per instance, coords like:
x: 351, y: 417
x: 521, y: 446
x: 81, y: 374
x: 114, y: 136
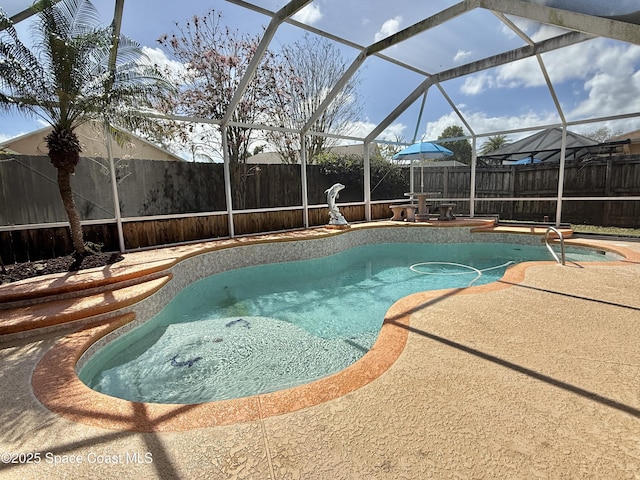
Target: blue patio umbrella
x: 422, y: 151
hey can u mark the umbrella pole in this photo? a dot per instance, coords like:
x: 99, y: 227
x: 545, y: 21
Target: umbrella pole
x: 411, y: 176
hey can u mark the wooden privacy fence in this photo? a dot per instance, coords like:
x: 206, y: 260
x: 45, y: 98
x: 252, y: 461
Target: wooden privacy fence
x: 42, y: 243
x: 29, y: 192
x: 28, y: 195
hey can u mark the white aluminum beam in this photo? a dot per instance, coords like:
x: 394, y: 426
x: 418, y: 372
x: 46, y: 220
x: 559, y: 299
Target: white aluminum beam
x: 402, y: 106
x: 366, y: 160
x: 510, y: 56
x: 433, y: 21
x: 227, y: 181
x: 24, y: 14
x: 303, y: 180
x: 337, y: 88
x: 472, y: 186
x: 580, y: 22
x: 563, y: 151
x: 456, y: 109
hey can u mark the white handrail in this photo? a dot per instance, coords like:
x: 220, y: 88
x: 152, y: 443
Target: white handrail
x: 546, y: 241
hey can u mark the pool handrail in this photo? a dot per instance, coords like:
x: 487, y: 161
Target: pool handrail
x: 561, y: 237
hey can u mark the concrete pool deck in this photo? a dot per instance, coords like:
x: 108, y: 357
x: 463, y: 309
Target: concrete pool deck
x: 535, y: 376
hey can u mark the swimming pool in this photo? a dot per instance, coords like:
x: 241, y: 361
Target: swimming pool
x: 269, y: 327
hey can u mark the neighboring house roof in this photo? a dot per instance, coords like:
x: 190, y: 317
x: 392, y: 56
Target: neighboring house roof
x: 356, y: 149
x: 265, y: 158
x: 631, y: 140
x: 443, y: 163
x: 544, y: 146
x: 429, y: 162
x: 93, y: 145
x: 633, y: 136
x: 342, y: 150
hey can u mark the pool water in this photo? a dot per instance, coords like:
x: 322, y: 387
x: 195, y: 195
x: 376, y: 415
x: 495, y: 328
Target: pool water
x: 269, y: 327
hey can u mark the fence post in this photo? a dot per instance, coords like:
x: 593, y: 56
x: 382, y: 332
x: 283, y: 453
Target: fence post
x: 367, y: 182
x: 472, y: 180
x: 303, y: 180
x: 227, y: 179
x: 606, y: 211
x: 563, y: 150
x: 512, y: 192
x: 445, y: 182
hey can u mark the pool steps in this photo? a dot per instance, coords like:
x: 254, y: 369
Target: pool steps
x: 78, y: 300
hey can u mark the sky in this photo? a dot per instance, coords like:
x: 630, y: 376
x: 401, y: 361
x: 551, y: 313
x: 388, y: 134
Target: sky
x: 597, y: 78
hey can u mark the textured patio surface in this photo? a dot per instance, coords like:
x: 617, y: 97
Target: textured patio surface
x: 539, y: 379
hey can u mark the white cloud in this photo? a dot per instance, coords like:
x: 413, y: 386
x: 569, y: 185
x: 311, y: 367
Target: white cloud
x: 482, y: 123
x: 393, y: 132
x: 309, y: 15
x: 461, y: 56
x: 364, y: 128
x: 534, y: 30
x: 389, y: 27
x: 159, y: 58
x: 544, y: 32
x: 476, y: 84
x: 435, y: 128
x: 610, y: 93
x: 605, y: 78
x: 579, y: 61
x: 507, y: 31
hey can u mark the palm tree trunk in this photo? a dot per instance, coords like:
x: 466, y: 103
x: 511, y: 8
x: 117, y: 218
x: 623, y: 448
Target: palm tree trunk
x: 64, y: 186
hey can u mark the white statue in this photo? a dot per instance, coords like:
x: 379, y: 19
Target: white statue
x: 335, y: 217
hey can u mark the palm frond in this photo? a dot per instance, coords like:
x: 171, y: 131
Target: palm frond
x: 67, y: 77
x: 67, y: 18
x: 21, y: 73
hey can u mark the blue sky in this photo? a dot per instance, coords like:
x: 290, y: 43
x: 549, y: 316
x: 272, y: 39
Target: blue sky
x: 597, y: 78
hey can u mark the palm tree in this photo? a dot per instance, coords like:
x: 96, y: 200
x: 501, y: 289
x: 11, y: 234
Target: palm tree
x: 75, y: 72
x: 494, y: 143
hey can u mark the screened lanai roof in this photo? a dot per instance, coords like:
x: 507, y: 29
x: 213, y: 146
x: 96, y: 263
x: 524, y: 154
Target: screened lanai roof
x: 491, y: 66
x: 545, y: 146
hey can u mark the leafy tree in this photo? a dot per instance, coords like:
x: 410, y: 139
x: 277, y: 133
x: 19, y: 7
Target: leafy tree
x: 602, y: 134
x: 494, y: 143
x: 461, y: 148
x: 307, y: 72
x: 216, y: 59
x: 388, y: 150
x: 70, y: 78
x: 387, y: 179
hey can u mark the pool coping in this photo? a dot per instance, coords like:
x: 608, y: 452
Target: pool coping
x: 56, y: 385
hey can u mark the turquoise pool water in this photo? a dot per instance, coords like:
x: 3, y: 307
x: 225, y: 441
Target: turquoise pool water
x: 269, y: 327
